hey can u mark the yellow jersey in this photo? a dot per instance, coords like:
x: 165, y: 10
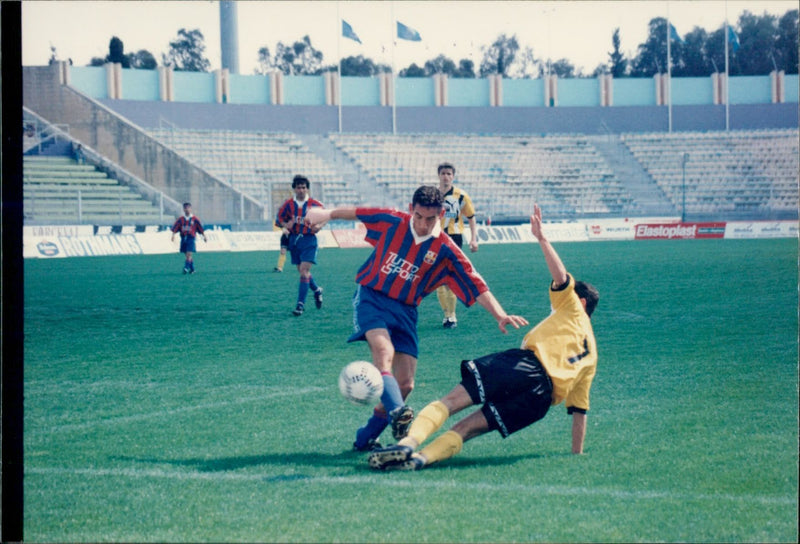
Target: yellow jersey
x: 564, y: 343
x: 457, y: 206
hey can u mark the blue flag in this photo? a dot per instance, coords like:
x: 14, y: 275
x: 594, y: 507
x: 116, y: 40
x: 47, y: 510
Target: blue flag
x: 673, y: 34
x: 348, y: 32
x: 733, y: 39
x: 407, y: 33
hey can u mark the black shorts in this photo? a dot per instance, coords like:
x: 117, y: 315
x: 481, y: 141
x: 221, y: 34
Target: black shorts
x: 285, y: 241
x: 458, y: 239
x: 513, y: 387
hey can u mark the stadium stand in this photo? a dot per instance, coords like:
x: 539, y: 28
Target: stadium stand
x: 727, y: 174
x: 565, y: 174
x: 259, y: 163
x: 58, y: 190
x: 236, y: 160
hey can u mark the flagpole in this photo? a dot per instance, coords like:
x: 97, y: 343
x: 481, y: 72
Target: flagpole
x: 727, y: 94
x: 339, y: 54
x: 394, y: 84
x: 669, y: 73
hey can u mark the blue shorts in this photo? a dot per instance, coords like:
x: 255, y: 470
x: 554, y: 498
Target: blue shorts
x: 303, y: 248
x: 374, y: 310
x: 187, y: 244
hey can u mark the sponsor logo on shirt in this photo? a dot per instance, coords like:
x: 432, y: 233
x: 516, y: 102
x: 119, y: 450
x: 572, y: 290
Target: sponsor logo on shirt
x: 394, y: 264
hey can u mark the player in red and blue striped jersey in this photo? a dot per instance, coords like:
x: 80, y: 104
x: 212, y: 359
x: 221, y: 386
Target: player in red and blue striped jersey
x: 189, y: 226
x: 412, y: 257
x: 302, y: 239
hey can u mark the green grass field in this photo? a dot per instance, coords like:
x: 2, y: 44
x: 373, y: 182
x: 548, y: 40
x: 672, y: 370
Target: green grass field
x: 165, y: 408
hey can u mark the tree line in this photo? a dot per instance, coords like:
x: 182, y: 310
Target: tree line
x: 757, y: 45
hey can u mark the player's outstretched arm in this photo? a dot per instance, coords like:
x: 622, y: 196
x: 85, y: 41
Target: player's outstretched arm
x: 487, y: 300
x: 554, y: 264
x: 320, y: 216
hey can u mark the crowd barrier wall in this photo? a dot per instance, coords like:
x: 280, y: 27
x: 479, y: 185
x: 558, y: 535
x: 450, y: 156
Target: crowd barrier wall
x: 422, y: 91
x: 87, y: 240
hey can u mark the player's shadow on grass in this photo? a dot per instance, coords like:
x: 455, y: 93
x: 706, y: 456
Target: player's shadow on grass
x: 346, y: 459
x: 223, y: 464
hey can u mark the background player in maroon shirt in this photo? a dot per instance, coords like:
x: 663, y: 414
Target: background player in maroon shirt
x: 189, y: 226
x: 302, y: 240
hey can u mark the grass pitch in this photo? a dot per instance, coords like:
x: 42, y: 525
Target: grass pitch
x: 169, y: 408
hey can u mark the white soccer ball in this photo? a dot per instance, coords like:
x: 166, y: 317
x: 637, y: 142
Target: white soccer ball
x: 361, y: 383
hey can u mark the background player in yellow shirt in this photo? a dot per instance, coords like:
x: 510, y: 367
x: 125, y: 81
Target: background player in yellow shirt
x: 457, y: 206
x: 557, y: 362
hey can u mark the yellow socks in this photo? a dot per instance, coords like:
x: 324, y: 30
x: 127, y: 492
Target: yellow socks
x: 447, y: 300
x: 444, y: 447
x: 427, y: 422
x: 281, y: 261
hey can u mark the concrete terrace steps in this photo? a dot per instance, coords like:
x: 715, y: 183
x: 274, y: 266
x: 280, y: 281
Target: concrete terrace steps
x: 61, y: 190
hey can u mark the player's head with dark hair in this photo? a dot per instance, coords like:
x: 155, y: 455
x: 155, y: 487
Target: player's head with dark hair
x: 588, y: 292
x: 300, y: 180
x: 427, y: 196
x: 427, y: 209
x: 444, y: 165
x: 187, y: 204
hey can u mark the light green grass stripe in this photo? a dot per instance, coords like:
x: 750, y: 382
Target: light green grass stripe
x: 73, y: 427
x: 415, y: 483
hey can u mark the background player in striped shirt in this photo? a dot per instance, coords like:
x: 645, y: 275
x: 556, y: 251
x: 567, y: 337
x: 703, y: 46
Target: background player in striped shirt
x: 557, y: 362
x: 302, y: 239
x: 189, y: 226
x: 457, y: 206
x: 412, y: 257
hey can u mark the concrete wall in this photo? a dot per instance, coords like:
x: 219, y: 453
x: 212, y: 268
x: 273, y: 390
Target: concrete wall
x: 503, y: 120
x: 127, y: 145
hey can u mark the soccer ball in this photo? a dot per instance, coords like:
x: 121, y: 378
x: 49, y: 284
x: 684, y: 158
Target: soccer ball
x: 361, y: 383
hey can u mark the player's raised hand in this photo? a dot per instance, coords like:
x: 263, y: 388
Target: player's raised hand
x: 536, y: 222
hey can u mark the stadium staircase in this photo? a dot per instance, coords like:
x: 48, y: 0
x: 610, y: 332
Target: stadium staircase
x: 260, y: 164
x: 349, y: 171
x: 59, y: 190
x: 504, y: 175
x: 648, y: 198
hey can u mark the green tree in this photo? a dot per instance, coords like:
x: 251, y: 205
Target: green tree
x: 757, y: 37
x: 651, y: 57
x: 187, y: 52
x: 412, y: 71
x: 265, y: 61
x: 525, y: 64
x: 439, y: 65
x: 116, y: 53
x: 299, y: 58
x: 786, y: 42
x: 617, y: 63
x: 696, y: 62
x: 466, y: 69
x: 362, y: 66
x: 499, y: 56
x: 562, y: 68
x: 142, y: 60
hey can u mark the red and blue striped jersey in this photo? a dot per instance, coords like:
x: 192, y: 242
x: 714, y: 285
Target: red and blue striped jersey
x: 407, y: 271
x: 188, y: 227
x: 291, y: 208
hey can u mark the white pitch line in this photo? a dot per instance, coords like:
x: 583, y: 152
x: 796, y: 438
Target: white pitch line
x: 416, y: 482
x: 164, y: 413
